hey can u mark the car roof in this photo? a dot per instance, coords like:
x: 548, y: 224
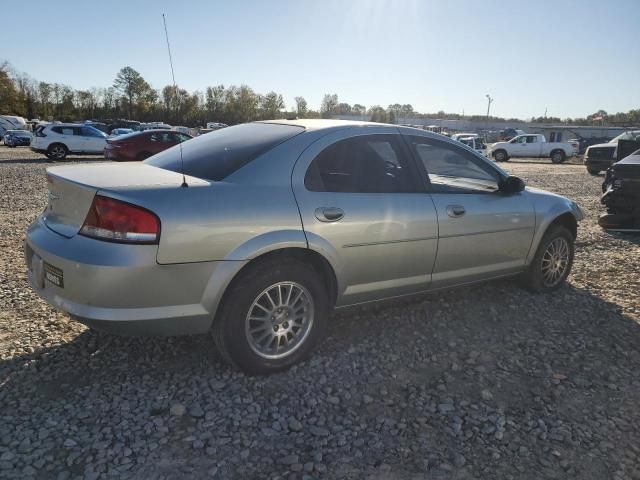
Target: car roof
x: 325, y: 123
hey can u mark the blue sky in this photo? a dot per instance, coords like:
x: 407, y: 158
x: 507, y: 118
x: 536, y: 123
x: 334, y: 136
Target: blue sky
x: 570, y: 57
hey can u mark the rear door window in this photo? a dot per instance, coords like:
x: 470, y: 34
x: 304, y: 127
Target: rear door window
x: 218, y: 154
x: 362, y: 164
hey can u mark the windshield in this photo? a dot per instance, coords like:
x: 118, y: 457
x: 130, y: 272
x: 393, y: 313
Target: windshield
x: 626, y: 136
x: 218, y: 154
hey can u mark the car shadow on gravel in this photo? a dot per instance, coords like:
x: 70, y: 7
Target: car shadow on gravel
x: 631, y: 237
x: 460, y: 321
x: 474, y: 352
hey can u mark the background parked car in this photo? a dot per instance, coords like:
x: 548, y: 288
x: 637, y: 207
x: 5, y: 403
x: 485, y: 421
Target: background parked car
x: 476, y: 143
x: 141, y: 145
x: 601, y: 156
x: 531, y: 145
x: 17, y: 138
x: 458, y: 136
x: 509, y: 133
x: 58, y: 140
x: 120, y: 131
x: 621, y: 190
x: 216, y: 125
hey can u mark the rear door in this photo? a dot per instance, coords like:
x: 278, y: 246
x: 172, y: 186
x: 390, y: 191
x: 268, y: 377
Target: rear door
x: 482, y: 232
x: 159, y: 141
x: 363, y: 206
x: 67, y: 135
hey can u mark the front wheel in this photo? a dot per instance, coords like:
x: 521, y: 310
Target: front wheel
x: 558, y: 156
x: 501, y: 156
x: 272, y: 317
x: 552, y: 262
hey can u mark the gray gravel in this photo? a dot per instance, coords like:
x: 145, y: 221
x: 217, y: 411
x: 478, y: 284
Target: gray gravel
x: 486, y: 382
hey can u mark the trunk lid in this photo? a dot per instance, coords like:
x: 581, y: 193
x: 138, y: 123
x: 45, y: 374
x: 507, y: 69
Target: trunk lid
x: 72, y: 188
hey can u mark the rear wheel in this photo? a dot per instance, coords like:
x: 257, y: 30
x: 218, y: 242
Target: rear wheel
x: 501, y: 156
x: 593, y: 171
x: 57, y: 151
x: 558, y: 156
x: 272, y: 316
x: 552, y: 262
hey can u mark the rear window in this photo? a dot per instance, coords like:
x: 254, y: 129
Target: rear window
x: 218, y: 154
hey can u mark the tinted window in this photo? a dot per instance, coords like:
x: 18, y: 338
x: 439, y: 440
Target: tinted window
x: 531, y: 139
x: 63, y: 130
x: 363, y: 164
x: 218, y: 154
x: 453, y: 169
x: 91, y: 132
x: 163, y: 137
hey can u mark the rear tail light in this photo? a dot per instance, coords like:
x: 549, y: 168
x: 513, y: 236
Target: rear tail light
x: 118, y: 221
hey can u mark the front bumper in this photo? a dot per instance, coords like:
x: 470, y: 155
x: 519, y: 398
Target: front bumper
x: 598, y: 163
x: 119, y: 288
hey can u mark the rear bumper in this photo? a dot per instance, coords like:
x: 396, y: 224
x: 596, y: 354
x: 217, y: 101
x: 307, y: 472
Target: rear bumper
x: 117, y: 155
x: 120, y: 288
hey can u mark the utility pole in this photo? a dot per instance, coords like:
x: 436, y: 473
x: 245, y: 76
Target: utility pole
x: 489, y: 102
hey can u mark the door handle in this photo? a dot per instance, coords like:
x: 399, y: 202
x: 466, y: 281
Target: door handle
x: 329, y: 214
x: 455, y: 211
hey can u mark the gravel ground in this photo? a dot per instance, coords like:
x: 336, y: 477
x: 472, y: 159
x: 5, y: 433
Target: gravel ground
x: 486, y: 382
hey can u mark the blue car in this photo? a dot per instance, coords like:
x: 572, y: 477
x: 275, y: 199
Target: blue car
x: 17, y: 138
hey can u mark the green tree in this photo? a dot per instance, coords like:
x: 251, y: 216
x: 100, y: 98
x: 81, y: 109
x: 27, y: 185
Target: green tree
x: 271, y: 104
x: 329, y: 103
x: 358, y: 109
x: 378, y: 114
x: 8, y: 92
x: 342, y: 109
x: 131, y: 86
x: 301, y: 106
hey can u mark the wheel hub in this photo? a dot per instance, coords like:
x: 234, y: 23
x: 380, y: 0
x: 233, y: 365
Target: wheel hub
x: 279, y: 320
x: 555, y: 262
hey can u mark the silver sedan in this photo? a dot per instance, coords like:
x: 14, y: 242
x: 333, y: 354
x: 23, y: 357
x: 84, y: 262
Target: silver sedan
x: 256, y: 232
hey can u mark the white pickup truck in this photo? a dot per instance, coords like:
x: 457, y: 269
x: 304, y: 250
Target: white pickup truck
x: 531, y: 145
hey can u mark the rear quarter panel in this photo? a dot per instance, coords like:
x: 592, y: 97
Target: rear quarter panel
x: 220, y: 221
x: 251, y: 212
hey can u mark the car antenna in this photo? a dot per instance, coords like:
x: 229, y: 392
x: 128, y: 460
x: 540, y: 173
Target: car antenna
x: 175, y: 89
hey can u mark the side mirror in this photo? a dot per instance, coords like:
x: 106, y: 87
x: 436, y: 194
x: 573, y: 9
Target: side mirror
x: 511, y: 185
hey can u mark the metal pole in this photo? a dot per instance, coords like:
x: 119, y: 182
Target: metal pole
x: 489, y: 101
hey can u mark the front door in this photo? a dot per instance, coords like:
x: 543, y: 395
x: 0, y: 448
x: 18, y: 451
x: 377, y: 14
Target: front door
x: 92, y: 140
x: 363, y: 206
x: 482, y: 233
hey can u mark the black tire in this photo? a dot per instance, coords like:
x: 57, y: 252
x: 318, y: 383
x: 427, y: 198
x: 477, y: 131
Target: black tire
x: 593, y: 171
x: 229, y: 325
x: 534, y: 277
x: 501, y: 156
x: 558, y: 156
x: 57, y: 151
x: 143, y: 156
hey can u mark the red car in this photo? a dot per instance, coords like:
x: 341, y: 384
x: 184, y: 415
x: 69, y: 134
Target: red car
x: 141, y: 145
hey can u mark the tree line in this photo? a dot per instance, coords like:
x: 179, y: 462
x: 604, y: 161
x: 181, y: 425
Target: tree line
x: 132, y: 97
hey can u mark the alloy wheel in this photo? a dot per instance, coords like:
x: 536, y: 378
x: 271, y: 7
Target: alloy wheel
x: 57, y: 152
x: 555, y: 262
x: 279, y: 320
